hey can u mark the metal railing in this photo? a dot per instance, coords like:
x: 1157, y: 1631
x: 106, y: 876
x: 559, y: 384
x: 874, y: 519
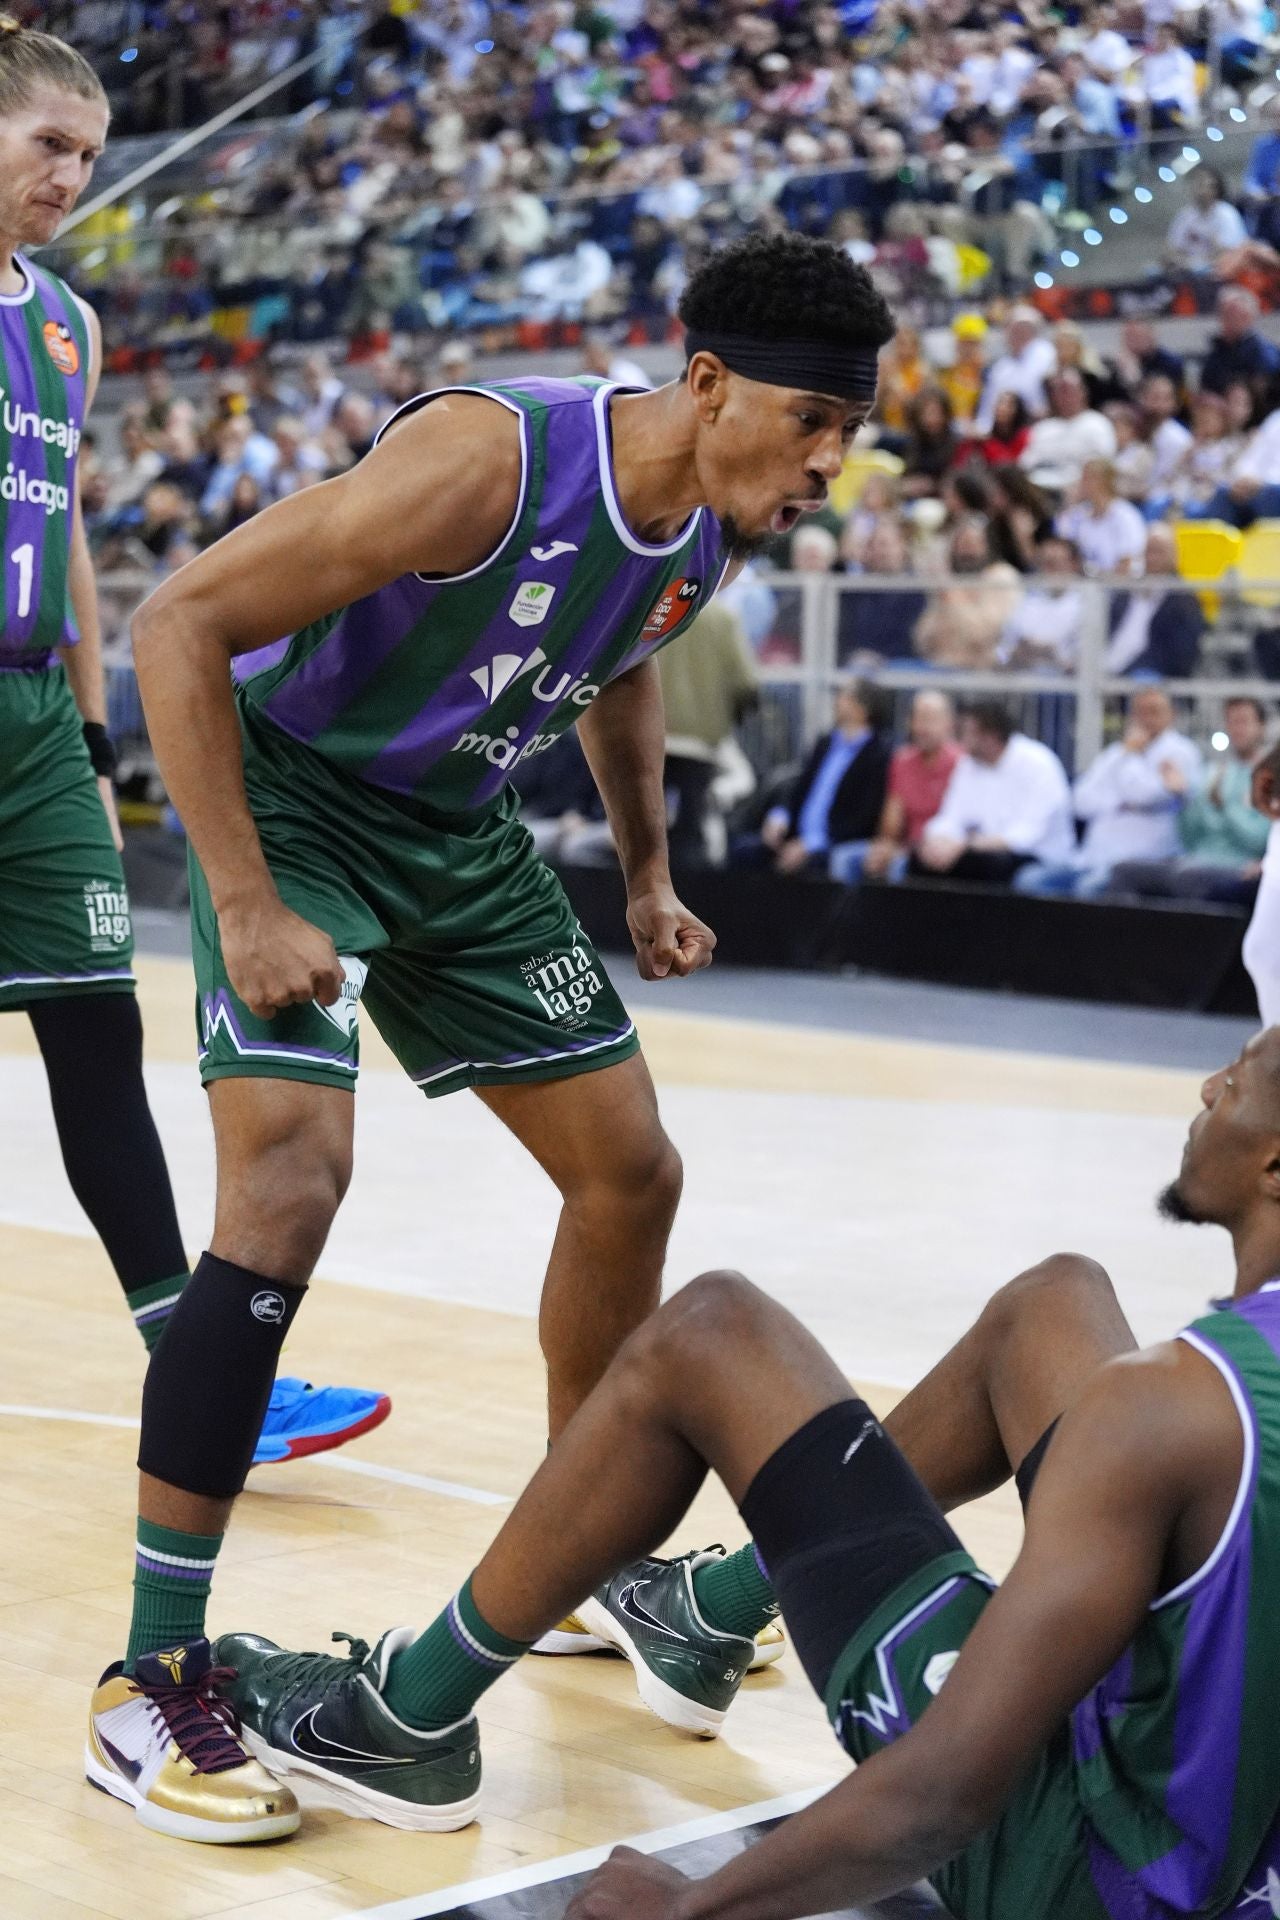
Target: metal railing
x: 796, y: 632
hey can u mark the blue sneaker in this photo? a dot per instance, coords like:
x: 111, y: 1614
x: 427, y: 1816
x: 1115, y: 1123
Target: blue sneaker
x: 303, y: 1419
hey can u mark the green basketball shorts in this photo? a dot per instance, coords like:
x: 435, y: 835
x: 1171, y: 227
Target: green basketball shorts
x: 455, y: 937
x: 879, y: 1596
x: 64, y: 910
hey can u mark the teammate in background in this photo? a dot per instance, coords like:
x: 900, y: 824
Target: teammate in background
x: 1092, y: 1740
x: 66, y: 941
x: 1262, y: 939
x: 505, y: 562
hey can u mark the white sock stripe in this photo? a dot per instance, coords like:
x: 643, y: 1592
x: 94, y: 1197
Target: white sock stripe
x: 176, y: 1559
x: 478, y: 1648
x: 154, y: 1306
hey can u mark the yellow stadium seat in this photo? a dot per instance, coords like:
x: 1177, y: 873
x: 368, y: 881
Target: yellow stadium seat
x: 1206, y: 550
x: 1260, y: 560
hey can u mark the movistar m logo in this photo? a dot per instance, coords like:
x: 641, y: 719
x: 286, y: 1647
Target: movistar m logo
x: 494, y: 679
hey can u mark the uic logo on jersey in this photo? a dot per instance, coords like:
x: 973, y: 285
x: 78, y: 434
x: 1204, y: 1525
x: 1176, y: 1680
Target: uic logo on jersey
x: 670, y: 610
x: 345, y: 1010
x: 564, y: 985
x: 60, y: 344
x: 532, y: 603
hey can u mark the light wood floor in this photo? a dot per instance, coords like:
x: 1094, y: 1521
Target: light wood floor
x: 570, y: 1758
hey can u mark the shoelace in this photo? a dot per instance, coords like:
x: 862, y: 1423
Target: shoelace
x: 292, y: 1670
x: 205, y: 1728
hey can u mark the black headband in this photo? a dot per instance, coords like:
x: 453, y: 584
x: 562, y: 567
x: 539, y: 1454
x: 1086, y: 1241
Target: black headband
x: 815, y: 366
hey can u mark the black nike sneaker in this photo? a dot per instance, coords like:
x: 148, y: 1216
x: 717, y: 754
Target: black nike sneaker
x: 687, y: 1672
x: 319, y: 1720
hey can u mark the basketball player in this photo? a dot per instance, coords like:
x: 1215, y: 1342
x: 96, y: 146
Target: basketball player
x: 505, y: 562
x: 1262, y: 939
x: 66, y: 942
x: 1093, y: 1740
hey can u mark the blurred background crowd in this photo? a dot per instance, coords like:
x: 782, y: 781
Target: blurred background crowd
x: 1072, y: 476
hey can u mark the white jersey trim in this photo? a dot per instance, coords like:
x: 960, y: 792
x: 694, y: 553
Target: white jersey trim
x: 435, y: 393
x: 1228, y: 1534
x: 600, y: 404
x: 28, y: 293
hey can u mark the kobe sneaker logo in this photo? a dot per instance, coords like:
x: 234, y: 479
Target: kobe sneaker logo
x: 494, y: 679
x: 869, y: 1427
x: 173, y: 1663
x: 631, y: 1607
x: 311, y: 1744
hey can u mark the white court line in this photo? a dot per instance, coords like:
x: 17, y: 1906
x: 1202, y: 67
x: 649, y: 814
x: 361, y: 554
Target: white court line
x: 371, y: 1469
x: 519, y: 1878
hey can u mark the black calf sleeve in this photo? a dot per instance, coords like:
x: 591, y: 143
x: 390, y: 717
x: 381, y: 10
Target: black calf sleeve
x: 92, y: 1047
x: 210, y: 1378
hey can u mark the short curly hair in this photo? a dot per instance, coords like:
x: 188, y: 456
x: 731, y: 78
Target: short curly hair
x: 786, y: 287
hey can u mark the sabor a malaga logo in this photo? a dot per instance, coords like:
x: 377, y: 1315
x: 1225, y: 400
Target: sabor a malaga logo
x: 107, y: 909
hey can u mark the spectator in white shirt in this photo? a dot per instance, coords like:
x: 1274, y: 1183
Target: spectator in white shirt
x: 1207, y: 226
x: 1165, y: 434
x: 1072, y: 433
x: 1170, y: 84
x: 1007, y: 804
x: 1107, y: 51
x: 1044, y: 628
x: 1253, y: 491
x: 1023, y: 368
x: 1129, y: 800
x: 1110, y: 533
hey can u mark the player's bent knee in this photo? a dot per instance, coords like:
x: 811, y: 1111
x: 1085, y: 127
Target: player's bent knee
x: 717, y: 1312
x: 1050, y: 1285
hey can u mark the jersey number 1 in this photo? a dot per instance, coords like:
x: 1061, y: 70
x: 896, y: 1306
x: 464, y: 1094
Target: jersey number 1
x: 24, y: 559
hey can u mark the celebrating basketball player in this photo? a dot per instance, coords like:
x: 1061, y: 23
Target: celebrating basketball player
x: 1093, y: 1740
x: 336, y: 694
x: 66, y: 941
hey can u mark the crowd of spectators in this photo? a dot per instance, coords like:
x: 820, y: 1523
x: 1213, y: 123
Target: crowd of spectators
x: 490, y: 166
x: 1147, y: 819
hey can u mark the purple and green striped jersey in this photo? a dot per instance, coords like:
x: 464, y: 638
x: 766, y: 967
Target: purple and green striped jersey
x: 435, y: 688
x: 1177, y: 1750
x: 44, y: 372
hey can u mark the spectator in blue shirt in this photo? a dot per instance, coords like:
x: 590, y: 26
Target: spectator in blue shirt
x: 1260, y: 188
x: 839, y: 793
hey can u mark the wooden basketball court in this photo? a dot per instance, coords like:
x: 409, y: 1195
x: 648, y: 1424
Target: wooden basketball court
x: 881, y: 1188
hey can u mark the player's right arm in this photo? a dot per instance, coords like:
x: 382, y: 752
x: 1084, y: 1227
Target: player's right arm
x: 437, y: 496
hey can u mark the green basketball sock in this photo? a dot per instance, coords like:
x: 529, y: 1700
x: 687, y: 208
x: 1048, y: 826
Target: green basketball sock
x: 437, y: 1681
x: 152, y: 1305
x: 171, y: 1580
x: 734, y: 1595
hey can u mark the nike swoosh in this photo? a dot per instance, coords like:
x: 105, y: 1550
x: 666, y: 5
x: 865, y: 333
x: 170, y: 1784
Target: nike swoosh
x: 630, y: 1606
x: 870, y: 1428
x: 129, y: 1768
x: 308, y: 1741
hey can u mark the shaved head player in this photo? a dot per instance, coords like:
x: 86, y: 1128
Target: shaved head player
x: 66, y: 937
x: 1093, y: 1740
x: 336, y: 695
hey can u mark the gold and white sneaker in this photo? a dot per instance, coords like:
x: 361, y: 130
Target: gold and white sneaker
x: 164, y: 1743
x: 572, y: 1637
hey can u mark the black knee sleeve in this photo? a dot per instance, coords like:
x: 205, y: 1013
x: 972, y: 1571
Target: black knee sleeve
x: 210, y: 1378
x: 92, y: 1048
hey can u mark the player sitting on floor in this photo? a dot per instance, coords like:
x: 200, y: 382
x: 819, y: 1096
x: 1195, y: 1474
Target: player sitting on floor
x: 1104, y: 1743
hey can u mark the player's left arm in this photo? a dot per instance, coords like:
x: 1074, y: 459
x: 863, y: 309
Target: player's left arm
x: 1107, y: 1500
x: 83, y: 662
x: 624, y: 738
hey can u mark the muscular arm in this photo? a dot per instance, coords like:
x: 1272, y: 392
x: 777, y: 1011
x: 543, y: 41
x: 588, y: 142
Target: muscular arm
x: 1131, y: 1458
x: 83, y: 662
x: 435, y: 497
x: 623, y: 737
